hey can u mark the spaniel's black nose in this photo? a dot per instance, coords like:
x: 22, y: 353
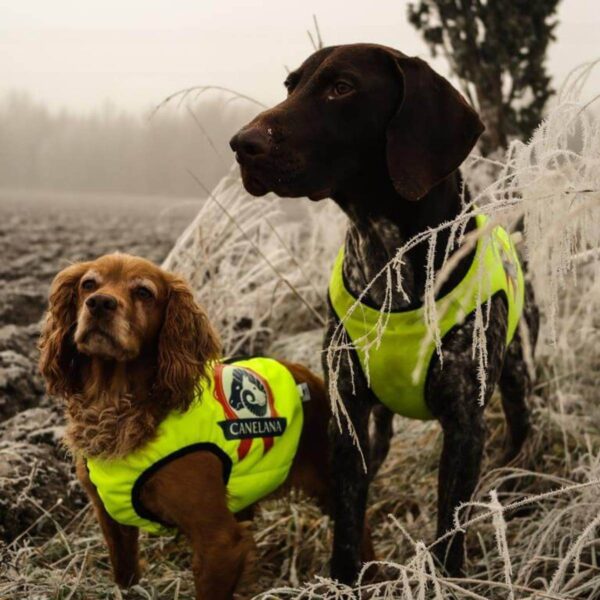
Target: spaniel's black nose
x: 101, y: 303
x: 249, y: 142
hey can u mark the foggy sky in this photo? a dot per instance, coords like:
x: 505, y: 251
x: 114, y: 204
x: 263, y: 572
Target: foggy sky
x: 81, y: 53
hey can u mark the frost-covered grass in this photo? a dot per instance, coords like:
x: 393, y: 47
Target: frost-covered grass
x: 260, y: 267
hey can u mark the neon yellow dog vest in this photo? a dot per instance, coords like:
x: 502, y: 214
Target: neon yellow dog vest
x: 398, y: 366
x: 249, y: 414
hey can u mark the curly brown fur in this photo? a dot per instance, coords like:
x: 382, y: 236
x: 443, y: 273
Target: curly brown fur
x: 108, y: 425
x: 58, y: 354
x: 186, y: 344
x: 122, y: 369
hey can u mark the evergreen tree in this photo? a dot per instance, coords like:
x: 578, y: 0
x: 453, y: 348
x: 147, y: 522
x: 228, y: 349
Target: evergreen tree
x: 497, y: 49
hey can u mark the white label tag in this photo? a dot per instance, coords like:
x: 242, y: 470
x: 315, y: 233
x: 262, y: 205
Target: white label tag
x: 304, y: 391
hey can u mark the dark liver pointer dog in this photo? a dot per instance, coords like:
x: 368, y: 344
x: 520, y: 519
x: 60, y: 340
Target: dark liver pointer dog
x: 383, y: 135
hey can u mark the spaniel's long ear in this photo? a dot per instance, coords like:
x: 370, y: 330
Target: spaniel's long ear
x: 432, y: 132
x: 187, y: 344
x: 58, y: 354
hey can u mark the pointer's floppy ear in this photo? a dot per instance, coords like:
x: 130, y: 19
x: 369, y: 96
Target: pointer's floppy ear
x: 432, y: 132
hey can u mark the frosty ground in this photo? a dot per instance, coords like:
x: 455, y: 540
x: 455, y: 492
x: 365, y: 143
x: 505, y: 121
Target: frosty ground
x: 262, y: 278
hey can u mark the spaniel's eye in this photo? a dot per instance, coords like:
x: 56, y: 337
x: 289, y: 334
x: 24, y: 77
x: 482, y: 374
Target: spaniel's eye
x: 88, y: 284
x: 342, y: 88
x: 143, y: 292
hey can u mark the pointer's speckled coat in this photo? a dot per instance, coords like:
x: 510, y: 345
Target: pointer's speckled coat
x: 383, y: 135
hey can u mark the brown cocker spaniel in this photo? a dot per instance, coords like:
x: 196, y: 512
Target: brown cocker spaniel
x: 126, y: 346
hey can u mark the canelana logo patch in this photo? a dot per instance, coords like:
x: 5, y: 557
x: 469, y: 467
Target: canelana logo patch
x: 249, y: 408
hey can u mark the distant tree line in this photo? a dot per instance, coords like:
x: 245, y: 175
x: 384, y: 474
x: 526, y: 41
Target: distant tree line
x: 113, y: 151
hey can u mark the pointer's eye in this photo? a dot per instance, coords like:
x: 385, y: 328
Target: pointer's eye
x: 290, y: 83
x: 342, y: 88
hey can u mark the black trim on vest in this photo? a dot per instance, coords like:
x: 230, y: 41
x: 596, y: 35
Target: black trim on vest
x: 136, y: 501
x: 500, y: 293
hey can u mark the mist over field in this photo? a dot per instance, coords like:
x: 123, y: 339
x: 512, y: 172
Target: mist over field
x: 116, y: 151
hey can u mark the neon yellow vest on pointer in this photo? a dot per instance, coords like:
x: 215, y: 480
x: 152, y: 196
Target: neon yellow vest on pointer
x: 393, y: 367
x: 249, y: 414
